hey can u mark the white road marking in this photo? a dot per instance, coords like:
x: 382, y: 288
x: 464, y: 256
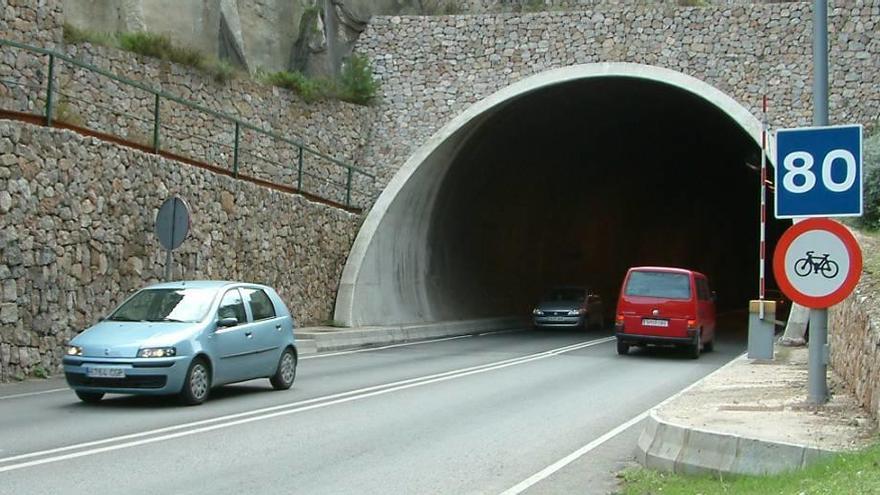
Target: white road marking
x: 29, y: 394
x: 275, y: 411
x: 371, y: 349
x: 565, y: 461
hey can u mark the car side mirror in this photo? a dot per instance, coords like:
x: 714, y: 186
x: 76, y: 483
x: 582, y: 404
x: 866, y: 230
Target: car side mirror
x: 227, y: 322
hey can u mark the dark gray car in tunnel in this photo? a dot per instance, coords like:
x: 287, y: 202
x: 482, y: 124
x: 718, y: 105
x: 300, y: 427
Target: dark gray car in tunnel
x: 569, y: 307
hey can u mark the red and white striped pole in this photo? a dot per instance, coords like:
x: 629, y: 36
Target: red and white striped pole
x: 763, y: 235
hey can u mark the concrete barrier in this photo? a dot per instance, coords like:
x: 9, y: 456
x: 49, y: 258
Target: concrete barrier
x: 670, y: 447
x: 334, y: 339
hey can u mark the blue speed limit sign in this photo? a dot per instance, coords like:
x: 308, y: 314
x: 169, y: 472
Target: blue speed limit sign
x: 819, y: 172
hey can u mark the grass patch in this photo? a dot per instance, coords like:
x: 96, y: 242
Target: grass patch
x: 157, y: 46
x: 844, y: 474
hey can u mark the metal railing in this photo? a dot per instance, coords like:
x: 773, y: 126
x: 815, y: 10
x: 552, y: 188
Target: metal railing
x: 228, y: 143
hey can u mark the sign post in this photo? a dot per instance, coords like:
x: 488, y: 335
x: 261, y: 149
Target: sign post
x: 172, y: 227
x: 818, y: 174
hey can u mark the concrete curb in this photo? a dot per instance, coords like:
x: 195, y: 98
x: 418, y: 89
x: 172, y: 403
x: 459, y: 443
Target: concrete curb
x: 667, y: 446
x: 311, y: 340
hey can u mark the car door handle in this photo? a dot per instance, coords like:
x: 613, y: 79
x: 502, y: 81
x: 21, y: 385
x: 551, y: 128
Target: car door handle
x: 278, y: 327
x: 249, y: 335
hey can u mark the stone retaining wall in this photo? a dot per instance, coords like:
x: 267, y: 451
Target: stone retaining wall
x: 76, y: 220
x: 37, y: 22
x: 433, y: 68
x: 88, y: 99
x: 854, y: 337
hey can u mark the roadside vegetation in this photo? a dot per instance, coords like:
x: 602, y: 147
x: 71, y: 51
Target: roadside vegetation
x: 871, y: 168
x: 845, y: 474
x: 355, y: 84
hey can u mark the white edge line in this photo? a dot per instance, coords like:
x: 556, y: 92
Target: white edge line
x: 298, y: 406
x: 556, y: 466
x: 29, y: 394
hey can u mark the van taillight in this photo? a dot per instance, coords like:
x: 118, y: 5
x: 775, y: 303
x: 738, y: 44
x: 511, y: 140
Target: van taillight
x: 692, y: 323
x: 619, y: 319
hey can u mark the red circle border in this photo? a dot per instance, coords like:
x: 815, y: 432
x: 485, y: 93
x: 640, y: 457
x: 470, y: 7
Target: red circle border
x: 855, y: 262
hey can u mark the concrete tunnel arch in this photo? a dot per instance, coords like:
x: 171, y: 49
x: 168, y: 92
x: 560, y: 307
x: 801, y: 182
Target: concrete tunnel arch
x: 387, y: 279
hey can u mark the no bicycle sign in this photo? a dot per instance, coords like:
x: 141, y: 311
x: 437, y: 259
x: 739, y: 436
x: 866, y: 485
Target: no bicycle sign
x: 817, y: 263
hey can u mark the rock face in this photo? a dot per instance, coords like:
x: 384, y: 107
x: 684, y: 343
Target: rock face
x: 76, y: 236
x: 37, y: 22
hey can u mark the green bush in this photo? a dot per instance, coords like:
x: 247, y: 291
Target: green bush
x: 356, y: 81
x: 309, y: 89
x: 871, y: 168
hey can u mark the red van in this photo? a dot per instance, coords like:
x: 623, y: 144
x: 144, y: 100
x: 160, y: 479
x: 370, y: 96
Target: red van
x: 665, y: 306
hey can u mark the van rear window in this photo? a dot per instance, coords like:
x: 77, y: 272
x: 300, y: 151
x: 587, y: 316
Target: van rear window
x: 659, y: 284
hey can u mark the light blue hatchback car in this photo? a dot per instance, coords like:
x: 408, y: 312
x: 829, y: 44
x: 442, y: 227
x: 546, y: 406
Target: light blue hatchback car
x: 185, y: 338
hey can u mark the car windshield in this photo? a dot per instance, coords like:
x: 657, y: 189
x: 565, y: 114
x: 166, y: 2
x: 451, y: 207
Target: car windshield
x: 659, y: 284
x: 576, y: 295
x: 175, y: 305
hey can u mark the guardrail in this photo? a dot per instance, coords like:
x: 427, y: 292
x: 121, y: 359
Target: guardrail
x: 225, y: 142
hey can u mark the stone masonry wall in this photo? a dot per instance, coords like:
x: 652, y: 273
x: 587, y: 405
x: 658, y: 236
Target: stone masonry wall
x: 37, y: 22
x: 76, y: 236
x: 88, y: 99
x: 433, y: 68
x: 854, y: 337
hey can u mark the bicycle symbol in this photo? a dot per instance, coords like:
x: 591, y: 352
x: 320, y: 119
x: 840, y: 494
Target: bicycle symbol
x: 816, y: 264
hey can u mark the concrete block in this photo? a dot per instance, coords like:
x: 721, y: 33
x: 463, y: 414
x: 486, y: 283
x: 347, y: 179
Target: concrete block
x: 646, y: 439
x: 305, y: 347
x: 707, y: 453
x: 760, y: 457
x: 666, y: 448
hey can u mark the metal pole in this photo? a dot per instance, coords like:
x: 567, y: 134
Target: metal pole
x: 763, y: 232
x: 50, y: 88
x: 156, y: 124
x: 818, y: 353
x: 348, y: 188
x: 820, y: 62
x: 168, y: 256
x: 235, y: 149
x: 299, y: 174
x: 818, y: 356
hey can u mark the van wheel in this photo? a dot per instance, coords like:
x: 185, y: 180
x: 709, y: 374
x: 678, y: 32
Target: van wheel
x: 694, y: 349
x: 622, y: 348
x: 709, y: 346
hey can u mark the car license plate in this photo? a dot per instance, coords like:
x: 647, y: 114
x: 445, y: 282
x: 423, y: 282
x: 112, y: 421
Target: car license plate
x: 554, y: 318
x: 105, y: 372
x: 650, y: 322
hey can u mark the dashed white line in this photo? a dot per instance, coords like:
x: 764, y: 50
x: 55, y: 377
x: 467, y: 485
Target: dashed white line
x: 29, y: 394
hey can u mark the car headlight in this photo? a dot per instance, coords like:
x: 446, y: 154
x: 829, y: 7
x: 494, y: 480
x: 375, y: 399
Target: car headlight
x: 577, y: 312
x: 74, y: 350
x: 537, y: 312
x: 157, y: 352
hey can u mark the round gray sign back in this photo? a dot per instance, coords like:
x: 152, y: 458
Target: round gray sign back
x: 172, y: 223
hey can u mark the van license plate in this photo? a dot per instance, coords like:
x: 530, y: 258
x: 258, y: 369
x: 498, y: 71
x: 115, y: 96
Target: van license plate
x: 105, y: 372
x: 650, y: 322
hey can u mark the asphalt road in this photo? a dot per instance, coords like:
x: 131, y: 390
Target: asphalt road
x: 517, y: 412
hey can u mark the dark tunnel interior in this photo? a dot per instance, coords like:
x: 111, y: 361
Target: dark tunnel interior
x: 573, y: 184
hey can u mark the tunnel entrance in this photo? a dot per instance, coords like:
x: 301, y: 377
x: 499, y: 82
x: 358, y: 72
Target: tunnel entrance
x: 570, y: 183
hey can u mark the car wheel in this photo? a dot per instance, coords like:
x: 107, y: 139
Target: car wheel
x: 694, y: 349
x: 197, y: 384
x: 90, y: 397
x: 286, y: 372
x: 622, y: 348
x: 709, y: 346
